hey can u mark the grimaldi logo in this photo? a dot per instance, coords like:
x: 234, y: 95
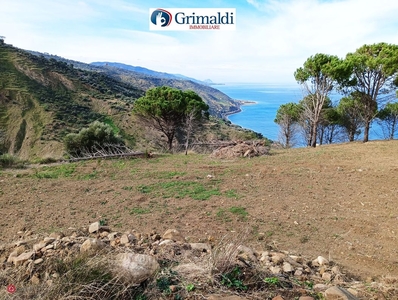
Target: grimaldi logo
x: 192, y: 18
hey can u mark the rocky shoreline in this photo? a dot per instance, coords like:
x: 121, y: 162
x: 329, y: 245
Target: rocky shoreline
x: 167, y: 266
x: 240, y: 103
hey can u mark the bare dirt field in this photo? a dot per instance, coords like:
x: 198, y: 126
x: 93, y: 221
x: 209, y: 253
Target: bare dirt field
x: 338, y: 201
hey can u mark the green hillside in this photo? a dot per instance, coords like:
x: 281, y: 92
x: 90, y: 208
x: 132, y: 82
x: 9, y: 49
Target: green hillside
x: 42, y: 99
x: 219, y: 103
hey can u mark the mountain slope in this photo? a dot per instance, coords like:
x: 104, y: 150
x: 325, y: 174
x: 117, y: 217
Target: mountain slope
x: 219, y: 103
x: 42, y: 100
x: 146, y: 71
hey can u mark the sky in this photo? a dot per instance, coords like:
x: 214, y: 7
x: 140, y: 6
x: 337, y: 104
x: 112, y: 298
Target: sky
x: 272, y: 38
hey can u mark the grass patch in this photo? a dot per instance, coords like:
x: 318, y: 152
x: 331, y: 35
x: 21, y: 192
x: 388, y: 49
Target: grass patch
x: 61, y: 171
x: 92, y: 175
x: 239, y: 211
x: 139, y: 211
x: 232, y: 194
x: 145, y: 189
x: 193, y: 189
x: 225, y: 214
x: 127, y: 188
x: 170, y: 175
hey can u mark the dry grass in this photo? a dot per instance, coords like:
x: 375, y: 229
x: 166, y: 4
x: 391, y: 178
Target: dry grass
x: 78, y: 277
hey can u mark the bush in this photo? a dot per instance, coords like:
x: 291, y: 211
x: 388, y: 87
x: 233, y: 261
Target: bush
x: 96, y: 135
x: 8, y: 161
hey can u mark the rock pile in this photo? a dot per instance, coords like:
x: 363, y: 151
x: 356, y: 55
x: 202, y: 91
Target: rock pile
x: 137, y: 256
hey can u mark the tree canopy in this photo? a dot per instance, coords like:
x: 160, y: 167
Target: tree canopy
x: 374, y: 73
x: 318, y: 77
x: 166, y: 109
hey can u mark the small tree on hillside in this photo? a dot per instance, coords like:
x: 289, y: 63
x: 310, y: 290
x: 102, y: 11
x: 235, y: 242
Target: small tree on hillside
x: 351, y: 111
x: 167, y: 109
x: 389, y: 119
x: 329, y: 124
x: 287, y: 118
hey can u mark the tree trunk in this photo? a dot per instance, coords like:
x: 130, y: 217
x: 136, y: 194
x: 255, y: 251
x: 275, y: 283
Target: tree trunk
x: 393, y: 128
x: 313, y: 135
x: 351, y: 134
x: 366, y: 133
x: 287, y: 134
x: 321, y: 135
x: 287, y: 139
x: 170, y: 138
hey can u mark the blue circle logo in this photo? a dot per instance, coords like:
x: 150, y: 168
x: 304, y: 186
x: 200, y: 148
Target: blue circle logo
x: 161, y: 17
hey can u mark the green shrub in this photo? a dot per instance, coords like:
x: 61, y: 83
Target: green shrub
x: 8, y: 161
x: 97, y: 134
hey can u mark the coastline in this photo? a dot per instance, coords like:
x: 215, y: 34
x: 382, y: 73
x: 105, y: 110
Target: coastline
x: 240, y: 103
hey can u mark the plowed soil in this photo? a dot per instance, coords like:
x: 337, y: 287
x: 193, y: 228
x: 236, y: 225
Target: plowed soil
x: 338, y: 201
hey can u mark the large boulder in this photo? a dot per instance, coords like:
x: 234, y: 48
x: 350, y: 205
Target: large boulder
x: 135, y: 268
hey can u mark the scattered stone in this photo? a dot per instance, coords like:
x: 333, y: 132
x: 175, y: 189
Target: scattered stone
x: 201, y: 246
x: 19, y: 260
x: 92, y: 245
x: 39, y: 246
x: 222, y: 297
x: 165, y: 242
x: 56, y: 235
x: 190, y: 271
x: 148, y: 248
x: 287, y: 268
x: 48, y: 240
x: 275, y: 270
x: 279, y: 297
x: 320, y: 287
x: 322, y: 261
x: 15, y: 254
x: 38, y: 261
x: 338, y: 293
x: 35, y: 280
x: 277, y: 258
x: 127, y: 239
x: 246, y: 253
x: 327, y: 276
x: 298, y: 273
x: 173, y: 234
x: 113, y: 235
x: 136, y: 268
x: 94, y: 227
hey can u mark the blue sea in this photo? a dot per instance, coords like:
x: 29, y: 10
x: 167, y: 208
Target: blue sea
x: 260, y: 116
